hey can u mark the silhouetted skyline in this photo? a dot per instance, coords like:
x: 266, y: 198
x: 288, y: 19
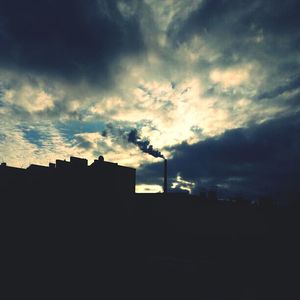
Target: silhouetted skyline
x: 80, y: 228
x: 106, y: 179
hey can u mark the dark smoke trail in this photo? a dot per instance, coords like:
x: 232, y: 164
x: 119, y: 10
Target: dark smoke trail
x: 144, y: 145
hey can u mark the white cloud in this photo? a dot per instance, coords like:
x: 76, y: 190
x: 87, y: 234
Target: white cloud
x: 182, y: 184
x: 31, y: 99
x: 16, y: 150
x: 231, y: 77
x: 191, y: 51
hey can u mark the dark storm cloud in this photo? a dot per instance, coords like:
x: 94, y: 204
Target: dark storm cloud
x: 290, y: 86
x: 256, y: 161
x: 232, y: 22
x: 264, y: 32
x: 71, y: 39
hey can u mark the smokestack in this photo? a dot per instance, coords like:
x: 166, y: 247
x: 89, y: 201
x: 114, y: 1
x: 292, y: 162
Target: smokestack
x: 165, y: 176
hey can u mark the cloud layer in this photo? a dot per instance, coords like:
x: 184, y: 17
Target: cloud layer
x: 76, y: 77
x: 71, y: 39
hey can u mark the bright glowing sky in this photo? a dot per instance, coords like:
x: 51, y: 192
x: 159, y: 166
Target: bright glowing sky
x: 77, y: 76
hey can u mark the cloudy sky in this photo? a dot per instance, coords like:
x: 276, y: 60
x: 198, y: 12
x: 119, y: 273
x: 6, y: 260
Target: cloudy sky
x: 214, y: 85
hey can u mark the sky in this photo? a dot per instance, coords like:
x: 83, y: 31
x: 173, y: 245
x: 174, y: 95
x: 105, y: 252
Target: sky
x: 212, y: 85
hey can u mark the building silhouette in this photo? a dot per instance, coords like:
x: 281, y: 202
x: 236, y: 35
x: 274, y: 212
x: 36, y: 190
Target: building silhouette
x: 67, y: 180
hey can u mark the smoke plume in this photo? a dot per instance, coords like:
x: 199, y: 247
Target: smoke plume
x: 143, y: 144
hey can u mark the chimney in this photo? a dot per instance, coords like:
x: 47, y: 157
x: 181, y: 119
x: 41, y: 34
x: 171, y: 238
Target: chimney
x: 165, y: 176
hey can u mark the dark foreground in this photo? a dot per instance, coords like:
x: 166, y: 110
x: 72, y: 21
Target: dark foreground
x: 148, y: 248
